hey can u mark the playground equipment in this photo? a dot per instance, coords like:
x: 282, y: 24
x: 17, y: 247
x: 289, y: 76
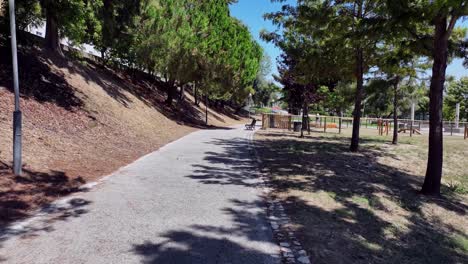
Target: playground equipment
x: 383, y: 127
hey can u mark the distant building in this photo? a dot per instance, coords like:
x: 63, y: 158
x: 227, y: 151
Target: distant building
x: 86, y: 48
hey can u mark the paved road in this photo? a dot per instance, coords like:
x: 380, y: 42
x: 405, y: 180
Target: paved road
x: 193, y: 201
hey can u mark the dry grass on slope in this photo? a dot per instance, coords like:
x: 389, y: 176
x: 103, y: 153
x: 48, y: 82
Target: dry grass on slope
x: 81, y: 122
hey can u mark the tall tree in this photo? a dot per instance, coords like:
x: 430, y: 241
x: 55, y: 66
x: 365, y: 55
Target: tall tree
x: 187, y: 41
x: 349, y: 30
x: 67, y: 18
x: 432, y: 23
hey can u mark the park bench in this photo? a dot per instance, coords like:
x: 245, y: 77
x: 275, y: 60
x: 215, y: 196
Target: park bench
x: 251, y: 126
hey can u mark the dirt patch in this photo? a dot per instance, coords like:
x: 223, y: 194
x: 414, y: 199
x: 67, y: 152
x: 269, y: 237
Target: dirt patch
x: 365, y: 207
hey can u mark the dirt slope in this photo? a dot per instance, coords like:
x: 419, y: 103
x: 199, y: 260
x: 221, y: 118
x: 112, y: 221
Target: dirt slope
x: 81, y: 122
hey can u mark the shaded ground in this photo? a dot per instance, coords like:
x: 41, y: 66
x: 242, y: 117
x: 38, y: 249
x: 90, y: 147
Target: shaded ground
x: 82, y: 121
x: 195, y: 201
x: 365, y: 207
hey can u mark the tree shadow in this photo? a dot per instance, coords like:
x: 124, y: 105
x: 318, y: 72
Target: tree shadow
x: 45, y: 218
x: 351, y: 208
x: 119, y: 84
x: 373, y: 212
x: 35, y: 195
x: 44, y: 84
x: 37, y: 80
x: 247, y: 240
x: 20, y: 195
x: 232, y: 166
x: 246, y: 237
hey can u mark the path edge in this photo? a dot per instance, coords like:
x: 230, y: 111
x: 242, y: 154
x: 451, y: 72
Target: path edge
x: 290, y: 247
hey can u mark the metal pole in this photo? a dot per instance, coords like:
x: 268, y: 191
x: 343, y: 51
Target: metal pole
x: 206, y: 109
x: 17, y: 113
x: 457, y: 115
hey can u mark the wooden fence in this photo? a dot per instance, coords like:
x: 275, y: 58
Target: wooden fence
x: 277, y: 121
x: 466, y: 131
x: 383, y: 126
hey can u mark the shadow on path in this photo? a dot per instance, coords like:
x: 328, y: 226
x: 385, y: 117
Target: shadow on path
x: 245, y: 241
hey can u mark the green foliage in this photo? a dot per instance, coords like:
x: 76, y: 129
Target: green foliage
x: 76, y: 19
x: 178, y: 41
x: 336, y: 101
x: 457, y: 92
x: 29, y: 12
x: 190, y: 41
x: 265, y: 91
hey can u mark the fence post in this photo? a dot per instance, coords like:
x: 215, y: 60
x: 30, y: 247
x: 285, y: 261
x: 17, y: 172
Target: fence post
x: 411, y: 129
x: 451, y: 128
x: 387, y: 127
x: 339, y: 125
x: 263, y: 121
x: 289, y: 123
x: 466, y: 131
x: 325, y: 125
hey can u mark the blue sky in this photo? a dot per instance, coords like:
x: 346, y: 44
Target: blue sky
x: 251, y: 13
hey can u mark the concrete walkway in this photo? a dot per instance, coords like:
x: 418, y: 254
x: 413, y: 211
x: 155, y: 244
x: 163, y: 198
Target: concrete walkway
x: 193, y: 201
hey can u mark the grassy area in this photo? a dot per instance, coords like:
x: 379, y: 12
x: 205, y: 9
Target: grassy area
x: 261, y: 110
x: 365, y: 207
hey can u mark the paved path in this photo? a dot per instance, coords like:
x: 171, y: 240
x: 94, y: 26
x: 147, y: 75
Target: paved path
x: 193, y: 201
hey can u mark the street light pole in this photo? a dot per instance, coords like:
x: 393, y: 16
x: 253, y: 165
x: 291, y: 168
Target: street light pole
x: 17, y: 113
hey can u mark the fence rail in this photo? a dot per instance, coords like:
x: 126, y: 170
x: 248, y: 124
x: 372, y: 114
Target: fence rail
x: 283, y: 121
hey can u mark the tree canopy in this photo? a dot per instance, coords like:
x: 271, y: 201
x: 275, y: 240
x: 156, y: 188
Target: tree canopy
x: 180, y: 42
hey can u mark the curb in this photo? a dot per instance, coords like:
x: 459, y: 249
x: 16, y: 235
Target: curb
x: 291, y: 249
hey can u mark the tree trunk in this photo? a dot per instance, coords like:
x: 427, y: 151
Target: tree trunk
x: 182, y: 91
x: 304, y: 120
x: 358, y: 101
x: 433, y: 177
x: 171, y: 90
x: 195, y: 94
x: 52, y: 37
x: 395, y: 111
x: 108, y: 32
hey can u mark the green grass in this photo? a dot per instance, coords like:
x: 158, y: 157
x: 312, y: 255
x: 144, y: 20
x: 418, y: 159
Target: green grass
x: 262, y: 110
x: 461, y: 242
